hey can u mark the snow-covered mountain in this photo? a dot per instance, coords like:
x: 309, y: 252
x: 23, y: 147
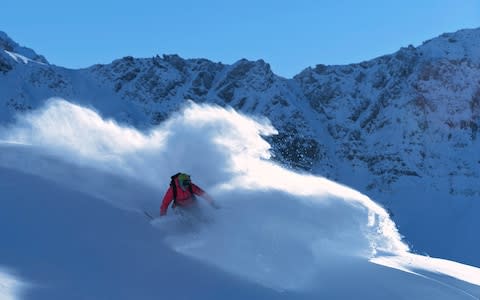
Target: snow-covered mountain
x: 74, y: 188
x: 401, y: 128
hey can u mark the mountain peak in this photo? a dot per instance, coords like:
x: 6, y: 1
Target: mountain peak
x: 10, y: 46
x: 458, y: 45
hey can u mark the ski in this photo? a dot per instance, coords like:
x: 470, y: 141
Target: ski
x: 149, y: 216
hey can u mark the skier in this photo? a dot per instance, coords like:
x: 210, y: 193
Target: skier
x: 182, y: 192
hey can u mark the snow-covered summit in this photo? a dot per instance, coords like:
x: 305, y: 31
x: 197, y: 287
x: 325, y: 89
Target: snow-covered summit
x: 17, y: 52
x: 461, y: 45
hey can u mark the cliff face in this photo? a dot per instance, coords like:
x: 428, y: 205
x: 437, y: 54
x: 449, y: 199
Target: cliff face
x: 414, y: 113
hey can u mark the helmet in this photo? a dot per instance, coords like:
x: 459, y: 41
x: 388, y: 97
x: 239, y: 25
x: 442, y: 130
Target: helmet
x: 184, y: 179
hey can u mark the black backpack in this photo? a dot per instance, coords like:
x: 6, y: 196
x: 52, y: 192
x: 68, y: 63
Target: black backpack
x: 174, y: 189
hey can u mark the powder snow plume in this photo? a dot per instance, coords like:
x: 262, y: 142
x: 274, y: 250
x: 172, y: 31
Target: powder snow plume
x: 10, y: 286
x: 268, y: 213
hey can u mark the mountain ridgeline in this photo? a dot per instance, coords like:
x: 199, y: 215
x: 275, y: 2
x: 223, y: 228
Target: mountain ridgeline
x: 414, y: 114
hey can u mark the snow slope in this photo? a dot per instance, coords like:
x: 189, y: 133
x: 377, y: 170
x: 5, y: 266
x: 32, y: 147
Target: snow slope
x: 402, y: 128
x: 74, y: 187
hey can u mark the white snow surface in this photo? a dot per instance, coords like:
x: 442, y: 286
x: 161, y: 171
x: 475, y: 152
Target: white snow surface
x: 18, y: 58
x: 75, y: 188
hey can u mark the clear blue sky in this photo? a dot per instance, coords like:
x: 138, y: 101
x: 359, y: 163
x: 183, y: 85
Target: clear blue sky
x: 290, y: 35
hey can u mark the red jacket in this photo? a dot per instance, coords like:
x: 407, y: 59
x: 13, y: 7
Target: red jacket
x: 184, y: 197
